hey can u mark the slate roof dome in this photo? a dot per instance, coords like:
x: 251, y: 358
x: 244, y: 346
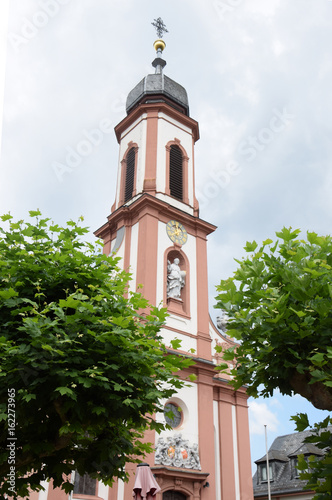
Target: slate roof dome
x: 158, y: 85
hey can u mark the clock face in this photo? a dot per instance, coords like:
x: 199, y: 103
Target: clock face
x: 176, y: 232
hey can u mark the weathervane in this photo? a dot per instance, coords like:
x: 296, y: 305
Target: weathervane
x: 160, y: 27
x: 159, y: 45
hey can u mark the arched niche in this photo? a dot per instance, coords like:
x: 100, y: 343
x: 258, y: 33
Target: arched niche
x: 175, y: 306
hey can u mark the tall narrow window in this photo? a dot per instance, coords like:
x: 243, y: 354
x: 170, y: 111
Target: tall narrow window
x: 130, y: 175
x: 176, y: 172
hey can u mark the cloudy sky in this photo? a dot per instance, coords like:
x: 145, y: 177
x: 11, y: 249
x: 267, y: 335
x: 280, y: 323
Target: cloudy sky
x: 258, y: 74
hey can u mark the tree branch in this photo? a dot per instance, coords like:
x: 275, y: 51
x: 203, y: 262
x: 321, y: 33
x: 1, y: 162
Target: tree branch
x: 317, y: 393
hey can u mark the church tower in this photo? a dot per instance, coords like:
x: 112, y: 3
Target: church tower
x: 154, y: 226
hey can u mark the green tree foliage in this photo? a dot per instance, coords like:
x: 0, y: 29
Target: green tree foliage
x: 81, y: 370
x: 279, y: 305
x: 317, y: 472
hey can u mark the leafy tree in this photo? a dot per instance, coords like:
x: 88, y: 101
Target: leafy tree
x: 317, y: 472
x: 279, y: 306
x: 81, y: 369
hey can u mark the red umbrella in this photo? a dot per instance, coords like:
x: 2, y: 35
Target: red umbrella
x: 146, y: 487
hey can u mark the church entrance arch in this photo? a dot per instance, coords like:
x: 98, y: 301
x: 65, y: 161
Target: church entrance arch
x: 174, y: 495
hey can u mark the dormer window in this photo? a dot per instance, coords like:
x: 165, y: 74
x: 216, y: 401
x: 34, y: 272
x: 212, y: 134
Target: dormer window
x: 308, y: 450
x: 296, y: 471
x: 277, y: 460
x: 263, y: 469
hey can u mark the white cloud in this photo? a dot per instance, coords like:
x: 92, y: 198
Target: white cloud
x: 274, y: 401
x: 4, y: 8
x: 262, y: 7
x: 259, y: 416
x: 278, y: 47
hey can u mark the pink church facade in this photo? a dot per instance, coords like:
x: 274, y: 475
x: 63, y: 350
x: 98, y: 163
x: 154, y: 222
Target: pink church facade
x: 154, y: 224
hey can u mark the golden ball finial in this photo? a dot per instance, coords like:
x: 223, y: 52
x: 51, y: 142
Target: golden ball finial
x: 159, y: 44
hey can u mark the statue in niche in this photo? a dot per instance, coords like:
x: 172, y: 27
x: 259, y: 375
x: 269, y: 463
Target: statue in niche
x: 175, y: 279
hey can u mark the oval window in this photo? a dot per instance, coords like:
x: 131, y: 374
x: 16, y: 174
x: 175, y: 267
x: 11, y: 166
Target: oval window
x: 173, y: 415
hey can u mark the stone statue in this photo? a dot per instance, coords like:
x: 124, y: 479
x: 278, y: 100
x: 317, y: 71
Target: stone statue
x: 175, y: 279
x: 161, y: 451
x: 178, y: 460
x: 194, y: 457
x: 222, y: 321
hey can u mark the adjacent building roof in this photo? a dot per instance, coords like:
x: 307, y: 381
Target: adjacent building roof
x: 283, y: 460
x: 274, y: 455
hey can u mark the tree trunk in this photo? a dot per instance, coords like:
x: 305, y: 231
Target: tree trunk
x: 317, y: 393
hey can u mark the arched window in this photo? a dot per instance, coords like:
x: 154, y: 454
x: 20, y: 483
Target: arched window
x: 130, y: 175
x: 174, y: 495
x: 84, y: 485
x: 176, y: 172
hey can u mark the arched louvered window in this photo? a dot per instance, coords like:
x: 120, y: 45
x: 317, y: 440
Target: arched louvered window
x: 130, y: 175
x: 176, y: 172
